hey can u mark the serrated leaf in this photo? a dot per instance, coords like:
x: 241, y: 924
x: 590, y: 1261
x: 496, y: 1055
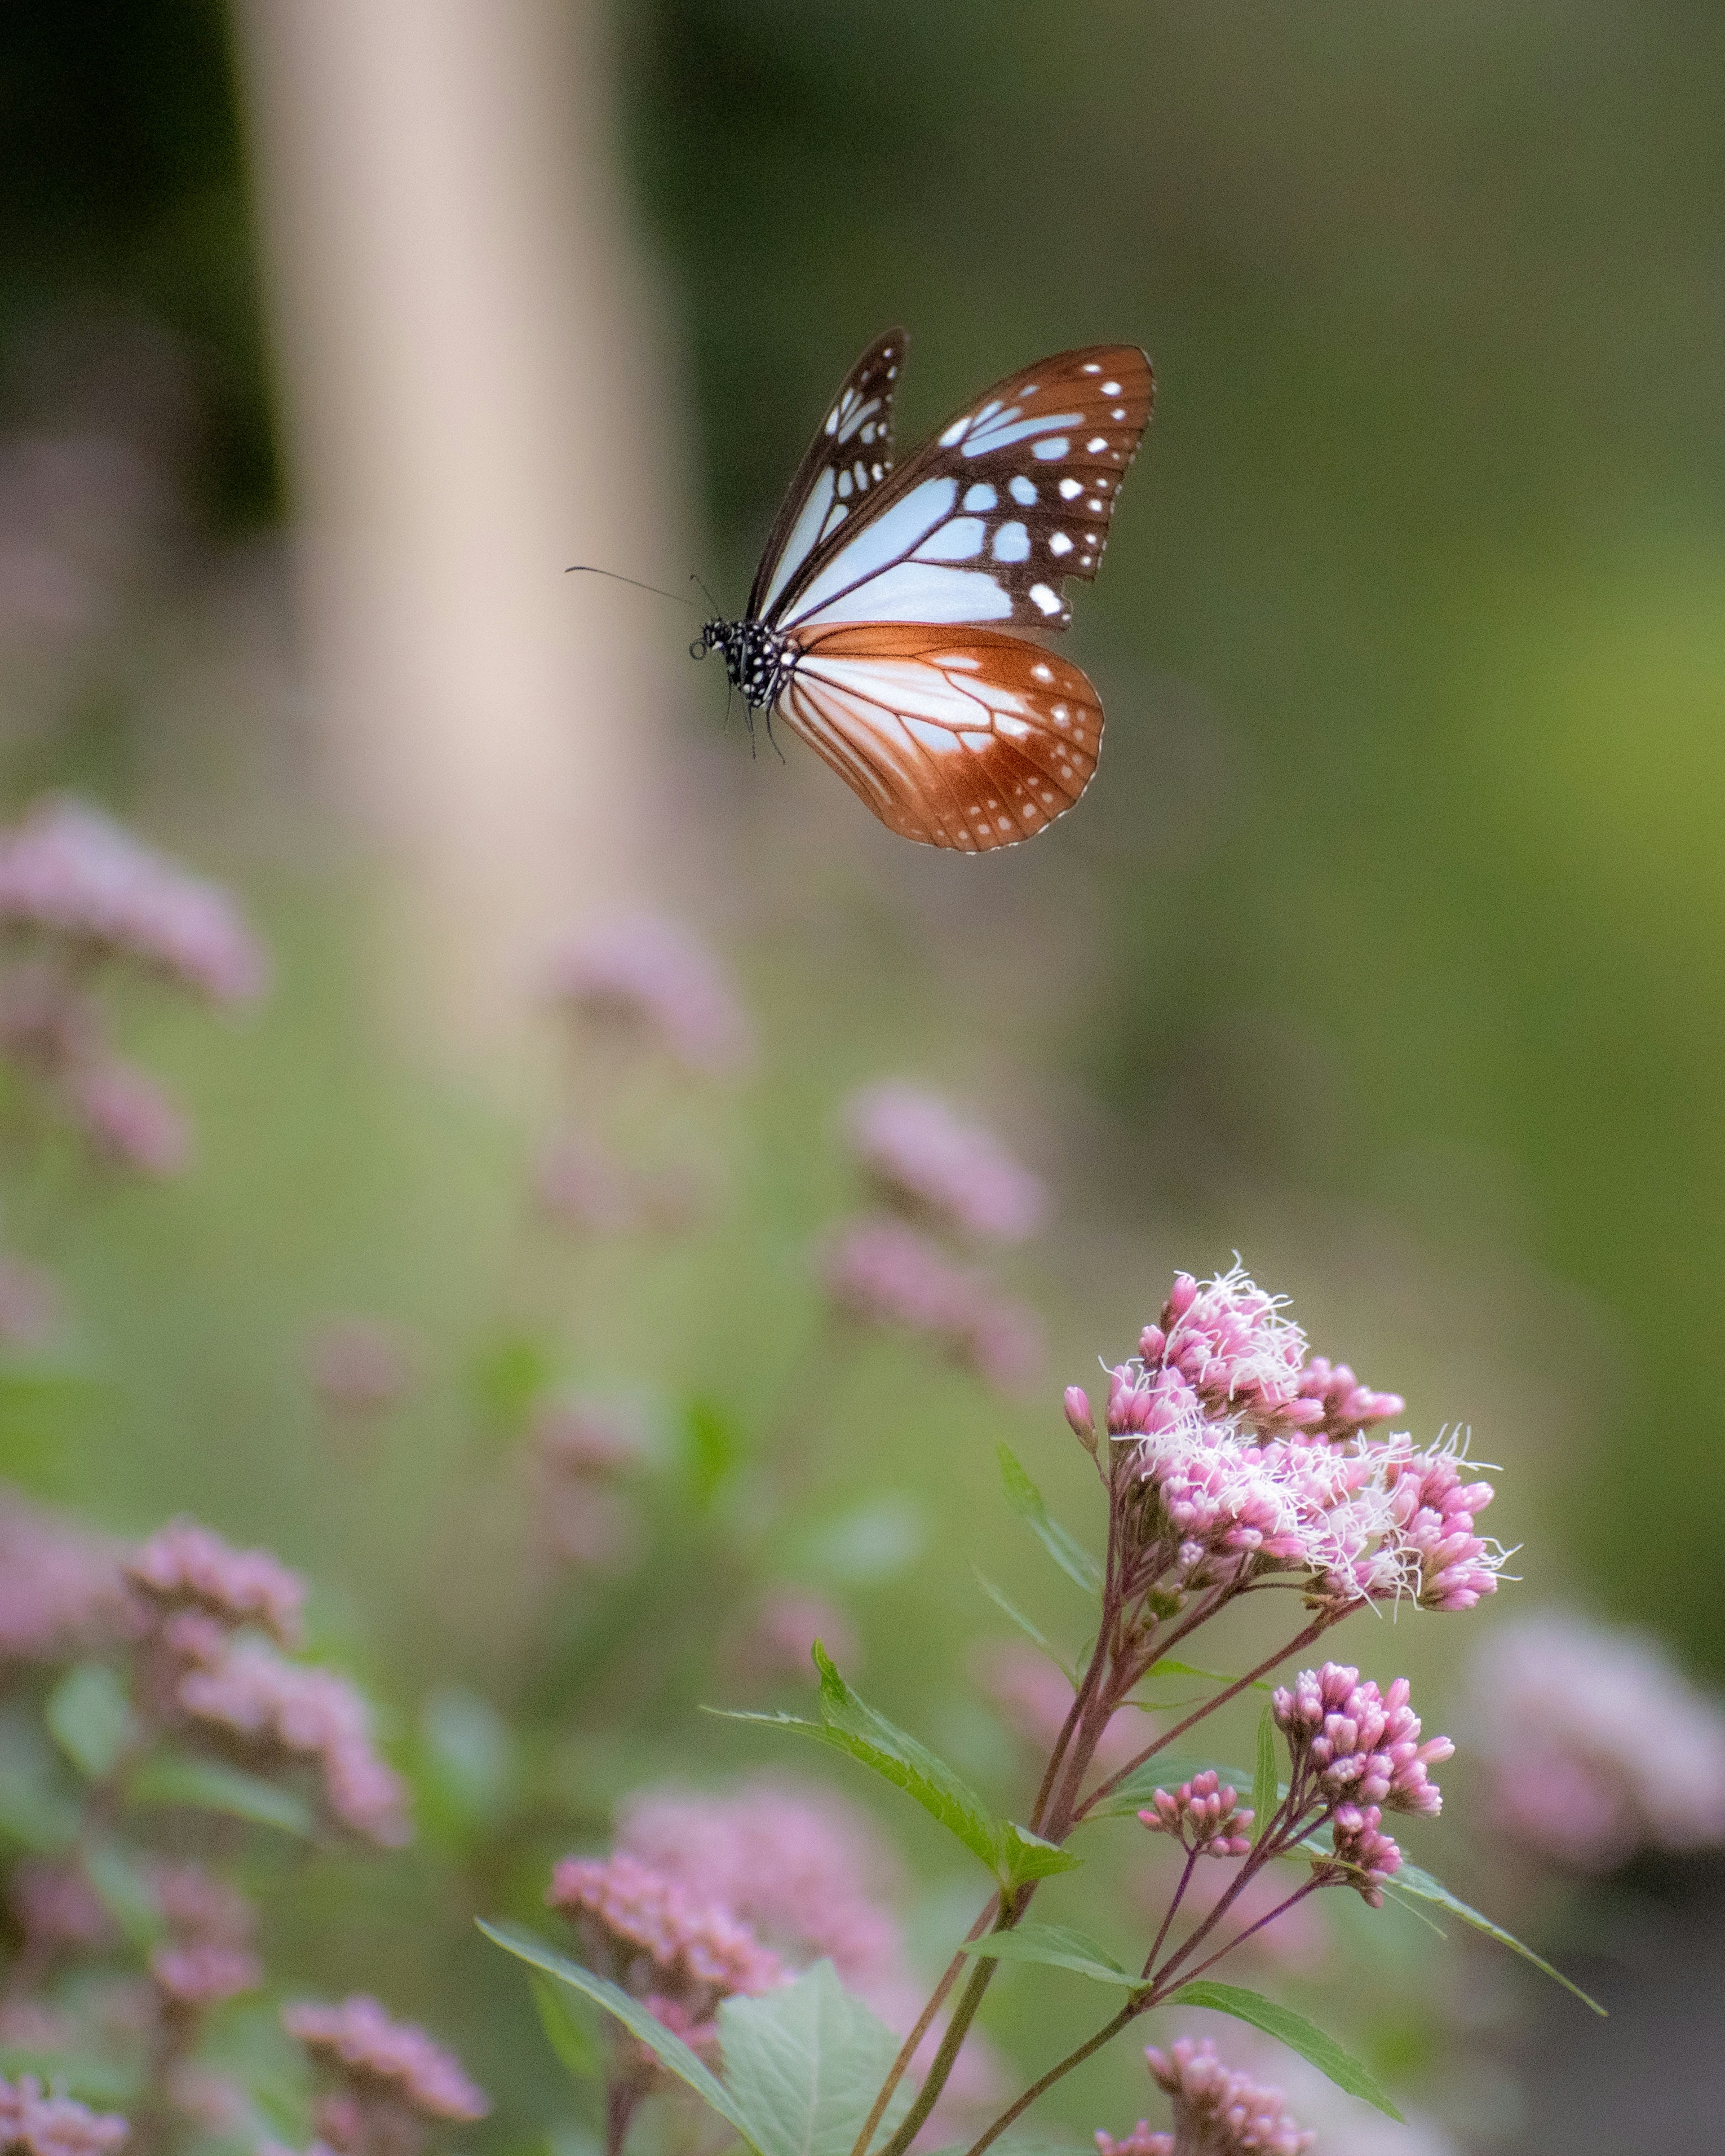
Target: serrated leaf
x: 1055, y: 1946
x: 670, y: 2050
x: 1010, y: 1608
x: 803, y: 2065
x: 1410, y: 1879
x: 176, y: 1777
x: 1166, y: 1771
x: 1294, y: 2030
x: 850, y: 1725
x: 565, y: 2030
x: 91, y: 1717
x: 1026, y: 1500
x: 1264, y: 1799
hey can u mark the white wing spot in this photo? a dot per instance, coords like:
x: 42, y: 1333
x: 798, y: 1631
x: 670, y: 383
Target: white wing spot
x: 1060, y: 544
x: 1022, y: 490
x: 1091, y: 367
x: 1060, y: 715
x: 868, y: 432
x: 982, y: 496
x: 1111, y: 389
x: 845, y: 482
x: 1119, y: 412
x: 1070, y: 487
x: 862, y: 473
x: 1094, y: 507
x: 876, y: 469
x: 832, y: 425
x: 1056, y: 445
x: 1042, y: 596
x: 1012, y: 543
x: 1097, y: 443
x: 955, y: 432
x: 1041, y: 671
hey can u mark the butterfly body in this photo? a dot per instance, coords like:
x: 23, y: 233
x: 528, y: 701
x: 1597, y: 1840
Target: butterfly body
x: 886, y: 625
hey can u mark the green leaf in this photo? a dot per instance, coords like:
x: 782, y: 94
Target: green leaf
x: 468, y: 1763
x: 803, y: 2065
x: 36, y: 1813
x: 1011, y: 1609
x: 713, y: 1448
x: 1073, y: 1558
x: 1265, y: 1797
x: 1166, y: 1771
x: 1025, y: 1856
x: 176, y: 1777
x: 1410, y: 1879
x: 850, y: 1725
x: 566, y: 2031
x: 1294, y: 2030
x: 1056, y: 1946
x: 1172, y: 1669
x: 873, y: 1541
x: 509, y: 1378
x: 670, y: 2050
x: 91, y: 1717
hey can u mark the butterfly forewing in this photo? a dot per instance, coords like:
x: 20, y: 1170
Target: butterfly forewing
x: 963, y: 738
x: 984, y: 522
x: 850, y: 458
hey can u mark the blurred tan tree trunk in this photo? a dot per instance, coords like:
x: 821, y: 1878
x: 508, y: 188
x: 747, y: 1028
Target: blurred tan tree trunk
x: 471, y: 389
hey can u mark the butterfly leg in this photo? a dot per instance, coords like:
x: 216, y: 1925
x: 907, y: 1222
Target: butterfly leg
x: 772, y: 742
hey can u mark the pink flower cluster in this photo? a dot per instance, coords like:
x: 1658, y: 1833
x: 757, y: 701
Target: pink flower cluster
x: 374, y: 2054
x: 1218, y: 2112
x: 1260, y: 1462
x: 578, y: 1452
x: 69, y: 872
x: 779, y: 1640
x: 651, y: 978
x: 883, y: 1272
x: 1594, y: 1744
x: 32, y: 2124
x: 660, y: 1941
x: 359, y: 1367
x: 207, y: 1956
x: 60, y: 1586
x: 283, y: 1712
x: 1349, y: 1740
x: 1204, y: 1815
x: 808, y: 1877
x: 949, y: 1174
x: 183, y: 1566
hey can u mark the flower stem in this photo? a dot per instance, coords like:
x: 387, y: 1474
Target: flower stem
x: 1127, y: 2013
x: 925, y: 2021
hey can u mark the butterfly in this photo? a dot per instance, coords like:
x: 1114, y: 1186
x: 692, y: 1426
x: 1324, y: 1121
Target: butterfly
x: 884, y: 624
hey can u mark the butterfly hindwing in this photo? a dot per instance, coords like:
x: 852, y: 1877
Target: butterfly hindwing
x: 850, y: 458
x: 982, y: 524
x: 964, y: 738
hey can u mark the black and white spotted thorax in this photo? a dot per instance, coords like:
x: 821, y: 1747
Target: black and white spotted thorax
x: 759, y: 660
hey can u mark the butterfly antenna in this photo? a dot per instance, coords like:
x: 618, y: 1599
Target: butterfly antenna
x: 710, y: 600
x: 587, y: 569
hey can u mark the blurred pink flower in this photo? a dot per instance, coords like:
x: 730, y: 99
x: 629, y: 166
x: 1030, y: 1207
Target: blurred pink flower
x: 653, y: 978
x: 944, y: 1172
x: 881, y: 1271
x: 32, y: 2124
x: 696, y: 1951
x: 375, y: 2056
x: 67, y: 870
x: 1034, y: 1698
x: 127, y: 1118
x: 580, y: 1185
x: 358, y: 1366
x: 781, y: 1636
x: 286, y: 1712
x: 183, y: 1566
x: 203, y: 1974
x: 61, y: 1588
x: 1594, y: 1744
x: 55, y: 1906
x: 1297, y: 1939
x: 576, y: 1451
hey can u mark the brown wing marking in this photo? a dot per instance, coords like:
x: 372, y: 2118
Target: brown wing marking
x: 953, y: 736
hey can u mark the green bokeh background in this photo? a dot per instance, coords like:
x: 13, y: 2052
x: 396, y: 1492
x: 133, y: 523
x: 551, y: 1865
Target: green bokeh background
x: 1405, y: 864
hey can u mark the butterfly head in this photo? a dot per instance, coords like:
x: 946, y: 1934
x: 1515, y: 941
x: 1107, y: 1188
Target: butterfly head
x: 758, y: 660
